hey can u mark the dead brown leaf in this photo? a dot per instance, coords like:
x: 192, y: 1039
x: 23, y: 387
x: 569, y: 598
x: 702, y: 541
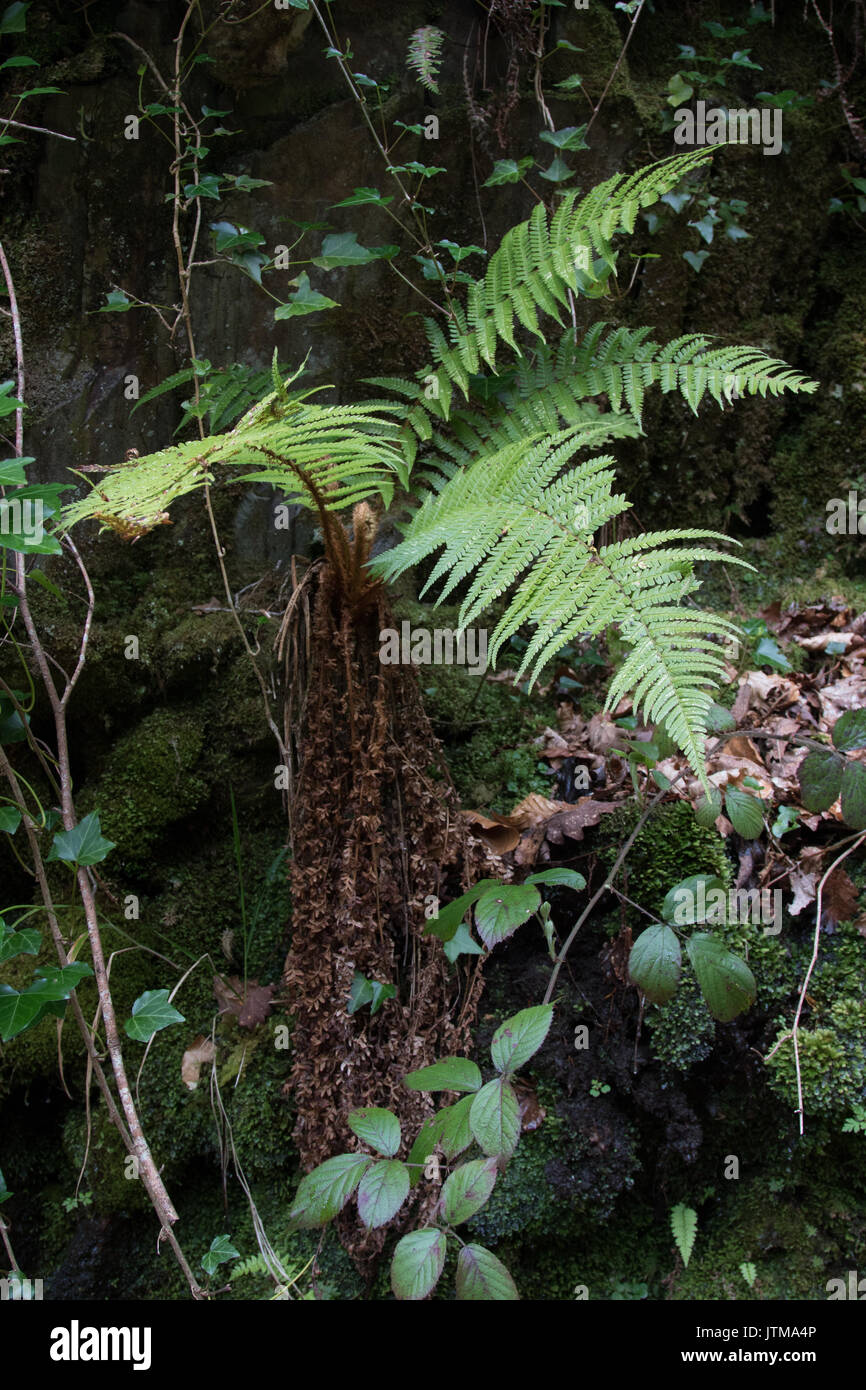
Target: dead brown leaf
x: 839, y: 900
x: 250, y: 1002
x: 200, y: 1052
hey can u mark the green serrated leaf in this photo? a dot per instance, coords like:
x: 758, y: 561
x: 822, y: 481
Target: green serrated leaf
x: 854, y: 796
x: 466, y: 1190
x: 501, y: 910
x: 324, y: 1192
x: 849, y: 731
x: 726, y: 982
x: 494, y: 1119
x: 655, y: 963
x: 563, y: 878
x: 417, y: 1264
x: 520, y: 1037
x: 481, y: 1276
x: 820, y: 777
x: 745, y: 813
x: 382, y: 1191
x: 454, y: 1132
x: 377, y: 1127
x: 449, y: 1074
x: 683, y: 903
x: 708, y: 809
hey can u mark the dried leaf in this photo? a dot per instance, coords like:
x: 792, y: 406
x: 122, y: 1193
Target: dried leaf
x: 200, y: 1052
x: 573, y: 821
x: 839, y: 900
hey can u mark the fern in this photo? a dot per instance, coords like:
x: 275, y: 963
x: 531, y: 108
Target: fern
x: 684, y: 1226
x: 501, y: 496
x: 424, y: 55
x: 223, y: 394
x: 336, y: 454
x: 520, y: 520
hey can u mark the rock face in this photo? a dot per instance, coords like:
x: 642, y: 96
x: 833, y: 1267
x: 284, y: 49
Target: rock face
x: 163, y: 739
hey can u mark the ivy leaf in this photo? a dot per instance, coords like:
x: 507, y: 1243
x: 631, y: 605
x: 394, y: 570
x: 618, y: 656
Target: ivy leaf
x: 849, y: 731
x: 481, y: 1276
x: 305, y: 300
x: 684, y: 1225
x: 679, y: 91
x: 569, y: 138
x: 58, y: 981
x: 12, y: 727
x: 494, y: 1119
x: 343, y: 248
x: 695, y: 258
x: 500, y: 911
x: 377, y: 1127
x: 324, y: 1192
x: 83, y: 844
x: 10, y: 819
x: 508, y: 171
x: 854, y: 796
x: 520, y: 1037
x: 769, y: 653
x: 116, y: 303
x: 14, y: 19
x: 382, y: 1191
x: 820, y: 776
x: 417, y: 1264
x: 18, y: 943
x: 17, y: 1012
x: 465, y: 1191
x: 151, y: 1012
x: 12, y: 470
x: 557, y: 172
x: 366, y: 195
x: 208, y: 186
x: 726, y: 982
x: 221, y: 1251
x: 462, y: 943
x: 451, y: 1074
x: 655, y: 963
x: 744, y: 812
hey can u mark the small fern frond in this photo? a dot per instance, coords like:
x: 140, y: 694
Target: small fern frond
x: 516, y: 519
x: 424, y: 56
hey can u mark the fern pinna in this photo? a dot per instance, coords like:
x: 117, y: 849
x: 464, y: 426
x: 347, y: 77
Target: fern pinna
x: 499, y: 493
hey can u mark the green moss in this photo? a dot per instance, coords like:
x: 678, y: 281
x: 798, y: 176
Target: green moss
x: 832, y: 1062
x: 794, y: 1240
x: 150, y: 782
x: 670, y: 848
x: 682, y: 1030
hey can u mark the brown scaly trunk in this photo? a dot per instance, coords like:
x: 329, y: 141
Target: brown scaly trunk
x: 376, y: 829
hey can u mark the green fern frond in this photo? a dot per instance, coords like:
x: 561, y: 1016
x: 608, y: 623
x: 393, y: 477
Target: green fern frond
x: 345, y: 453
x: 540, y: 261
x: 520, y: 520
x: 424, y: 56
